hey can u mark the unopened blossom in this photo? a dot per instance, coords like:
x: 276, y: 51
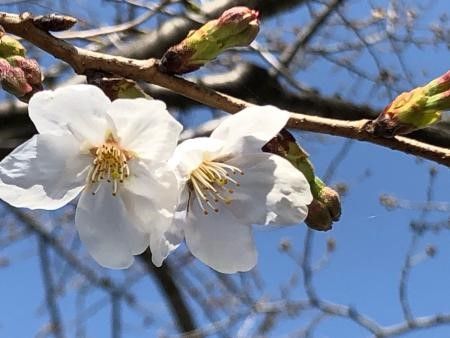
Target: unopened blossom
x: 10, y: 46
x: 236, y: 27
x: 325, y: 207
x: 114, y: 155
x: 227, y: 184
x: 19, y: 75
x: 416, y: 109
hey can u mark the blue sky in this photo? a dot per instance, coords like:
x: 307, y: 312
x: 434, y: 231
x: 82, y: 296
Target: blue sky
x: 371, y: 241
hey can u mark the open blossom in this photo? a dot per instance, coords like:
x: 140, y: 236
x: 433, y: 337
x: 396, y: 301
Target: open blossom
x: 113, y: 153
x: 228, y: 184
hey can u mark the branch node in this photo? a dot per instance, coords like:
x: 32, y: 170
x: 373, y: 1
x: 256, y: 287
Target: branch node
x: 54, y: 22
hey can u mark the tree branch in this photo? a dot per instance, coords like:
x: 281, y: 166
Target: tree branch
x: 50, y: 292
x: 164, y: 278
x: 162, y: 275
x: 84, y: 61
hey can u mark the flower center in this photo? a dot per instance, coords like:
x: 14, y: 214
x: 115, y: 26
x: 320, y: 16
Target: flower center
x: 212, y: 183
x: 110, y: 163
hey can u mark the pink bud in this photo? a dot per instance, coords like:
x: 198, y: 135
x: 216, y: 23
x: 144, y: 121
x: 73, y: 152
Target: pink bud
x: 14, y: 81
x: 29, y: 66
x: 4, y: 68
x: 238, y: 15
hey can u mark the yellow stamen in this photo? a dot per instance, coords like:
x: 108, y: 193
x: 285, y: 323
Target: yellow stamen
x: 209, y: 183
x: 110, y: 162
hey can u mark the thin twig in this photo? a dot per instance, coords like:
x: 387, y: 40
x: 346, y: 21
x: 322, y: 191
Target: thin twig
x: 328, y: 307
x: 116, y: 316
x: 410, y: 257
x: 90, y: 33
x: 177, y: 303
x: 50, y: 292
x: 305, y: 36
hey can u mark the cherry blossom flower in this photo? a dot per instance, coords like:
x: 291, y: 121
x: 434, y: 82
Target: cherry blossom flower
x: 227, y: 184
x: 112, y: 153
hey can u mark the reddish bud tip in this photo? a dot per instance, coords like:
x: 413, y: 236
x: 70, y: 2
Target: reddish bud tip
x: 237, y: 15
x: 29, y: 66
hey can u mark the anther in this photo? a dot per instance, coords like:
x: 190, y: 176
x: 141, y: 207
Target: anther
x: 110, y: 163
x: 209, y: 183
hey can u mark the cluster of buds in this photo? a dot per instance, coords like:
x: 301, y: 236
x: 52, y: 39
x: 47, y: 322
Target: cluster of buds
x: 326, y: 205
x: 416, y: 109
x: 19, y: 75
x: 236, y: 27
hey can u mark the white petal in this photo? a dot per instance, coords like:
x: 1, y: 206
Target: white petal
x: 79, y: 110
x: 145, y: 127
x: 271, y: 191
x: 165, y: 243
x: 250, y: 129
x: 107, y: 230
x: 220, y: 240
x: 46, y: 172
x: 191, y: 153
x: 150, y: 196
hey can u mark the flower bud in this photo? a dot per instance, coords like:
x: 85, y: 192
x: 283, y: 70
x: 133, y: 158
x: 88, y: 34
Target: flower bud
x: 20, y: 76
x: 116, y: 87
x: 325, y: 208
x: 10, y: 47
x: 416, y: 109
x: 237, y: 26
x: 29, y: 66
x: 13, y: 79
x: 54, y: 22
x: 332, y: 201
x: 326, y: 205
x: 318, y: 216
x: 285, y: 145
x: 4, y: 67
